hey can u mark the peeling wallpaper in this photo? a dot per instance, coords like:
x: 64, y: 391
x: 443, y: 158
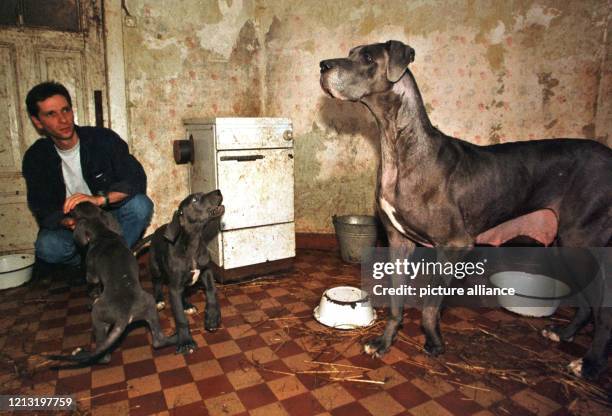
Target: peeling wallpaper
x: 489, y: 72
x: 198, y: 59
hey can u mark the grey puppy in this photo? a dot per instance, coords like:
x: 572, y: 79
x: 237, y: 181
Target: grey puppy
x: 111, y: 264
x: 179, y: 257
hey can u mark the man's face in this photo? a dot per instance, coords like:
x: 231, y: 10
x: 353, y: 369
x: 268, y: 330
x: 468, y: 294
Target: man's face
x: 56, y: 119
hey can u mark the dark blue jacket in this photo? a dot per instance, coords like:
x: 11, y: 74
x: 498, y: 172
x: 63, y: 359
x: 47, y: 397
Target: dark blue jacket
x: 106, y: 163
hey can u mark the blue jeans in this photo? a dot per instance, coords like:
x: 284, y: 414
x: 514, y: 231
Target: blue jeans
x: 58, y: 246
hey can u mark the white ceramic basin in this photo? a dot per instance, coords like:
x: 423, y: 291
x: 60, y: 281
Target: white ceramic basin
x: 345, y: 307
x: 535, y: 294
x: 15, y: 269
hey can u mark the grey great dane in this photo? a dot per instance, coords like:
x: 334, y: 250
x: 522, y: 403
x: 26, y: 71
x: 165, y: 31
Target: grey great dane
x: 439, y: 191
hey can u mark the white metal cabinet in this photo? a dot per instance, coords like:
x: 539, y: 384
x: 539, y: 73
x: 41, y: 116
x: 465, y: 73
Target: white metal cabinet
x: 251, y: 161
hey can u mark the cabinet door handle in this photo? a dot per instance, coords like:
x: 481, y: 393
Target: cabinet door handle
x: 248, y: 158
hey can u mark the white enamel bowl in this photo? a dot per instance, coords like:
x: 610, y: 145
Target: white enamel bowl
x: 535, y: 294
x: 345, y: 307
x: 15, y: 269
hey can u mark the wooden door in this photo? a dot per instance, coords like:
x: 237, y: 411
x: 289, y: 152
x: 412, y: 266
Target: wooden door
x: 70, y: 52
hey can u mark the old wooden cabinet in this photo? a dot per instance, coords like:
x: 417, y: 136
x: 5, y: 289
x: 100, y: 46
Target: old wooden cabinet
x: 251, y: 161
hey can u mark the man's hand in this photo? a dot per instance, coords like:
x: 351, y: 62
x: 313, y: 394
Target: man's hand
x: 74, y: 200
x: 68, y: 222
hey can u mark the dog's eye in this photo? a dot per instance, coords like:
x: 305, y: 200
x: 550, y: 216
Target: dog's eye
x: 194, y: 199
x: 368, y: 58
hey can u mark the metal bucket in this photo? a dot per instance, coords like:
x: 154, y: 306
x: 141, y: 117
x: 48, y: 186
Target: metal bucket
x: 354, y: 233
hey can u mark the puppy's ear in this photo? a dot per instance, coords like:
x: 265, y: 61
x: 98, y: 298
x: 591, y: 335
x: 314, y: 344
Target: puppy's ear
x: 75, y: 212
x: 173, y: 229
x: 110, y: 222
x: 82, y: 233
x: 400, y: 56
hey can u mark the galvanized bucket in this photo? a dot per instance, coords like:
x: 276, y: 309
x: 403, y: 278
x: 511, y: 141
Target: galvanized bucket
x: 354, y: 233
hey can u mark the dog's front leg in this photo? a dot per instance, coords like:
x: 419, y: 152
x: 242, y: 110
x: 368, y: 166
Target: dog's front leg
x: 185, y: 344
x: 212, y: 313
x: 158, y: 293
x: 399, y: 248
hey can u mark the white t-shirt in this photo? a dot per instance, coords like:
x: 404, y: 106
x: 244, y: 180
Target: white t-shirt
x: 71, y: 169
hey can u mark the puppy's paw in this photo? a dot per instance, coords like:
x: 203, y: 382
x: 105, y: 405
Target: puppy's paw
x: 191, y: 310
x: 575, y: 367
x: 160, y: 305
x: 434, y: 349
x: 186, y: 347
x: 551, y: 335
x: 164, y: 341
x: 105, y: 359
x: 80, y: 354
x: 377, y: 347
x: 212, y: 319
x: 555, y: 333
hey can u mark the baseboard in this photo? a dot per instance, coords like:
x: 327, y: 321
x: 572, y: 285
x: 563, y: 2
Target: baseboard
x: 316, y: 241
x: 244, y: 273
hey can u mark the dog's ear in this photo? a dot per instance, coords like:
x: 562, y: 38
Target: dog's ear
x: 82, y: 232
x: 110, y: 222
x: 400, y: 56
x: 173, y: 228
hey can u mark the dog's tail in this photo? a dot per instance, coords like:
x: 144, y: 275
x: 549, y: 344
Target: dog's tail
x: 140, y: 244
x: 84, y: 357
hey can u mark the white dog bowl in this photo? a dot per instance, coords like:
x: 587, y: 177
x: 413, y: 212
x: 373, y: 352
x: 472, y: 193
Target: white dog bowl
x: 345, y: 307
x: 535, y: 294
x: 15, y: 269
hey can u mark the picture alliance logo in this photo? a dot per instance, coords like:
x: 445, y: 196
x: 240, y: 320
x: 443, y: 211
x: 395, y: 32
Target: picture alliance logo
x: 410, y: 269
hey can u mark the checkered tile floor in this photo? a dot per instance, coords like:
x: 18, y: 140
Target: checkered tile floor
x: 272, y: 358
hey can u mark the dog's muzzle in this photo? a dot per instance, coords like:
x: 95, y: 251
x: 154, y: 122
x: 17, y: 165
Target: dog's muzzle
x: 216, y: 211
x: 325, y: 66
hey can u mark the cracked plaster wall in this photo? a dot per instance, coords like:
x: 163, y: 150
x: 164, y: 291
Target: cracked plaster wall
x: 489, y: 72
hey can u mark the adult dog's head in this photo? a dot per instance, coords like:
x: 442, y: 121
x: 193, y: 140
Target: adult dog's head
x: 368, y: 69
x: 193, y: 213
